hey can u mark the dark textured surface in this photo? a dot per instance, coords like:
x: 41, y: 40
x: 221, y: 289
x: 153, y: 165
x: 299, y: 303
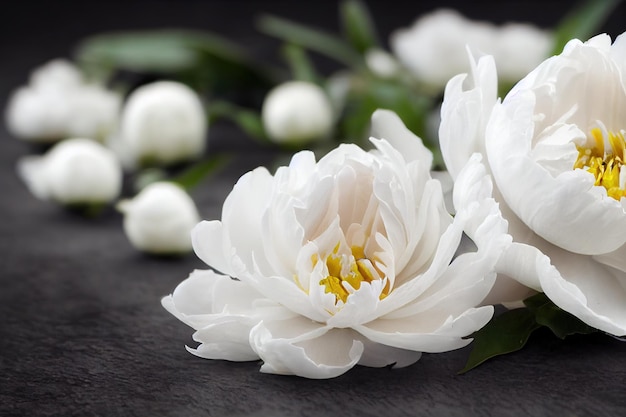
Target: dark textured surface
x: 82, y: 330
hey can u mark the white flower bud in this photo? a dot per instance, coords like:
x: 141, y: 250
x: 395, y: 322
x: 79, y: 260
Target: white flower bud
x: 75, y: 171
x: 297, y: 112
x: 434, y: 48
x: 162, y: 123
x: 160, y: 218
x: 58, y: 104
x: 381, y: 63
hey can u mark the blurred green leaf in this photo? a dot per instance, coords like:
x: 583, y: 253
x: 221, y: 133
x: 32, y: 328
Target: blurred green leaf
x: 88, y: 210
x: 200, y: 58
x: 504, y: 334
x: 159, y: 51
x: 561, y: 322
x: 358, y: 25
x: 310, y: 38
x: 301, y: 66
x: 247, y: 120
x: 198, y: 172
x: 583, y: 21
x: 372, y: 94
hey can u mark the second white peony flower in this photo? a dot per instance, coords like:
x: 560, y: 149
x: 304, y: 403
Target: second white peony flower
x: 344, y: 261
x: 555, y: 149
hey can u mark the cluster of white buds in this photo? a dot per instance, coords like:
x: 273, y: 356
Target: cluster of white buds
x: 58, y: 104
x: 160, y: 123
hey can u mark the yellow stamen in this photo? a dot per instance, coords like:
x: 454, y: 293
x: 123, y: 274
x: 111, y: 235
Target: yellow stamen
x: 605, y: 164
x: 351, y: 270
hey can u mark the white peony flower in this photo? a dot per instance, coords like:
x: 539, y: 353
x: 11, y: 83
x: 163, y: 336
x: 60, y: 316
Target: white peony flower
x: 160, y: 218
x: 74, y: 171
x: 433, y: 49
x: 162, y: 123
x: 555, y: 149
x: 297, y: 112
x: 348, y: 260
x: 58, y: 104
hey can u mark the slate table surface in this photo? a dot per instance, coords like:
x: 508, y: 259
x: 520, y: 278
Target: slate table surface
x: 82, y: 331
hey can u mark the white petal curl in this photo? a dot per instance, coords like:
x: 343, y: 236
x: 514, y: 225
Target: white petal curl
x: 314, y: 351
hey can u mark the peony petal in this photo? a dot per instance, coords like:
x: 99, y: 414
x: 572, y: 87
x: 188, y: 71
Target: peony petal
x: 205, y: 296
x: 227, y: 339
x: 387, y: 125
x: 222, y: 310
x: 423, y: 233
x: 615, y: 259
x: 302, y: 347
x: 242, y: 221
x: 193, y: 295
x: 319, y: 210
x: 211, y: 246
x: 282, y: 235
x: 462, y: 286
x: 288, y: 294
x: 618, y: 54
x: 565, y: 207
x: 413, y: 288
x: 473, y: 185
x: 376, y: 355
x: 360, y: 306
x: 585, y: 288
x: 405, y: 333
x: 519, y: 261
x: 464, y: 113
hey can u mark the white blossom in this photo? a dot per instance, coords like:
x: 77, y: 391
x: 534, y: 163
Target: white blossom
x: 162, y: 123
x: 553, y: 151
x: 434, y: 48
x: 74, y: 171
x: 347, y: 260
x: 297, y: 112
x: 59, y: 104
x: 160, y: 218
x: 381, y: 63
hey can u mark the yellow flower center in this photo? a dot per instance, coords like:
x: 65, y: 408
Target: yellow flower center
x: 604, y: 159
x: 349, y: 270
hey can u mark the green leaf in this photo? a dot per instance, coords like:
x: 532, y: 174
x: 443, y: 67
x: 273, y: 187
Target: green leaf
x: 301, y: 66
x: 198, y: 172
x: 88, y: 210
x: 310, y: 38
x: 370, y: 94
x: 358, y: 25
x: 583, y: 21
x: 247, y: 120
x: 201, y: 59
x: 504, y: 334
x: 561, y: 322
x: 159, y: 51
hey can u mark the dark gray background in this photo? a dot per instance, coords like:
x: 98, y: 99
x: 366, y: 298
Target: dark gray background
x: 82, y: 328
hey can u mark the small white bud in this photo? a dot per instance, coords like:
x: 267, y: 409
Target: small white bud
x: 75, y: 171
x: 297, y: 112
x: 381, y: 63
x: 58, y: 104
x: 160, y: 218
x: 162, y: 123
